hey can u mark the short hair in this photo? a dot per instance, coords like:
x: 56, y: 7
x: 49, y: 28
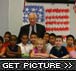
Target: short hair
x: 13, y: 36
x: 46, y: 33
x: 8, y: 33
x: 32, y: 13
x: 69, y: 36
x: 34, y: 34
x: 24, y: 34
x: 52, y: 34
x: 1, y: 39
x: 59, y: 36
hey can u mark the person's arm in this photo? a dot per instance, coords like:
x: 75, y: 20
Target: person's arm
x: 3, y: 52
x: 43, y: 55
x: 53, y: 56
x: 66, y: 56
x: 53, y: 53
x: 18, y: 53
x: 65, y: 53
x: 34, y: 55
x: 9, y: 53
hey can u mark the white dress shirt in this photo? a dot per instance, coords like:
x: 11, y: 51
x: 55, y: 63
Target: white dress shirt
x: 25, y: 49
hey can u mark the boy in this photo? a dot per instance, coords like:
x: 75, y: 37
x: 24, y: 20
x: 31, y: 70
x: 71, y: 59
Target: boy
x: 51, y: 43
x: 13, y: 50
x: 33, y: 38
x: 46, y: 37
x: 59, y: 51
x: 70, y: 46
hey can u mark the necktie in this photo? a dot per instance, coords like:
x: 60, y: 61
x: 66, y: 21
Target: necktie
x: 32, y: 29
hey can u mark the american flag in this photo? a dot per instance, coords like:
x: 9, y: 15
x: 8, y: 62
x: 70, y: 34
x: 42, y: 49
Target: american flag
x: 55, y: 19
x: 39, y: 10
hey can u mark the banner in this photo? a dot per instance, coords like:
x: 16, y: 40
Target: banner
x: 37, y: 64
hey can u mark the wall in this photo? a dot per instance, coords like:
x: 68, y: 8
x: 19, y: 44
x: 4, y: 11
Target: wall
x: 72, y: 21
x: 4, y: 6
x: 11, y: 16
x: 15, y: 15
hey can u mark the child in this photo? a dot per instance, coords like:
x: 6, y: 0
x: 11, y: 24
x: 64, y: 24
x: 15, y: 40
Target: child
x: 2, y: 49
x: 39, y: 51
x: 75, y: 43
x: 51, y: 43
x: 33, y: 38
x: 25, y: 47
x: 52, y: 39
x: 7, y: 36
x: 59, y: 51
x: 46, y: 37
x: 70, y: 46
x: 13, y: 50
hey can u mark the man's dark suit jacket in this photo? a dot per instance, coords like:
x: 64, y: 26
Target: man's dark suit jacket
x: 25, y: 29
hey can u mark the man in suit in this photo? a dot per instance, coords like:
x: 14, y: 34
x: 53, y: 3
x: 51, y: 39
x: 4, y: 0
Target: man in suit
x: 32, y: 27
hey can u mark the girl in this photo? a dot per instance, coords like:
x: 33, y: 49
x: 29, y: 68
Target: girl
x: 39, y: 50
x: 7, y: 36
x: 25, y: 47
x: 2, y: 49
x: 71, y: 48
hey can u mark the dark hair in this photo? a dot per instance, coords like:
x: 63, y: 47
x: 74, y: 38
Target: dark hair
x: 46, y: 33
x: 24, y: 34
x: 70, y: 36
x: 13, y: 36
x: 59, y: 36
x: 8, y: 33
x: 1, y: 39
x: 34, y: 34
x: 74, y: 41
x: 52, y: 34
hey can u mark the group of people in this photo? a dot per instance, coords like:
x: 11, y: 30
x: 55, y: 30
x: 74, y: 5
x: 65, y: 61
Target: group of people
x: 50, y: 46
x: 34, y: 42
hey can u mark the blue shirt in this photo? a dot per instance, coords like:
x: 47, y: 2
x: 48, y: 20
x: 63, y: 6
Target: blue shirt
x: 59, y: 52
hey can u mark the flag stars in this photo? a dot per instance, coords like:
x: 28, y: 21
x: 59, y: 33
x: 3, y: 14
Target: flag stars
x: 27, y: 9
x: 40, y: 10
x: 26, y: 15
x: 39, y: 20
x: 33, y: 9
x: 40, y: 15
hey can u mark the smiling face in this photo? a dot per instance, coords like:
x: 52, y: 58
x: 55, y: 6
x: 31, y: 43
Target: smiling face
x: 52, y: 40
x: 58, y: 42
x: 40, y: 44
x: 70, y: 41
x: 13, y: 40
x: 46, y: 37
x: 24, y: 39
x: 7, y: 37
x: 33, y: 38
x: 32, y: 18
